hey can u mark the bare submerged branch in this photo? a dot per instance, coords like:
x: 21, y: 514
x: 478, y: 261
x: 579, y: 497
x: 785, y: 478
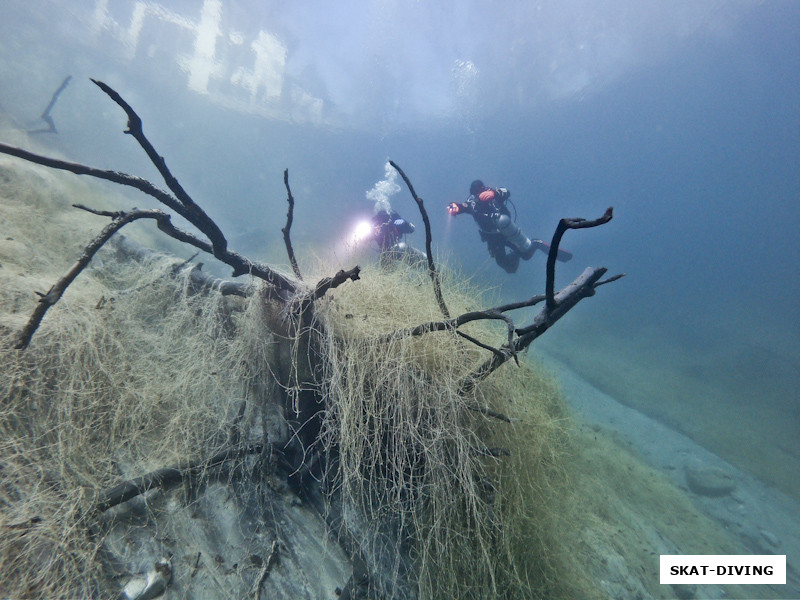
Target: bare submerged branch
x: 533, y: 300
x: 609, y: 279
x: 167, y: 476
x: 563, y: 225
x: 286, y: 230
x: 114, y: 176
x: 331, y: 282
x: 478, y: 343
x: 53, y: 295
x: 437, y: 289
x: 241, y: 265
x: 452, y: 323
x: 193, y: 213
x: 566, y: 299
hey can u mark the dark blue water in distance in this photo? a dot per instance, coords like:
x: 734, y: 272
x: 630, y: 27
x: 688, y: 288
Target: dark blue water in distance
x: 684, y: 116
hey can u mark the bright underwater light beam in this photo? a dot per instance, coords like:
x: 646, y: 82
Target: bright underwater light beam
x: 362, y: 231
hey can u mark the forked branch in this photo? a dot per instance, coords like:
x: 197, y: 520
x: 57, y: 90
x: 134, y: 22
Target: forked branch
x: 181, y: 203
x: 191, y: 211
x: 582, y: 287
x: 53, y: 295
x: 563, y: 225
x: 241, y: 265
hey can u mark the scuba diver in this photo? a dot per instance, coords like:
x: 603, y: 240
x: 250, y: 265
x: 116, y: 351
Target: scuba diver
x: 505, y: 241
x: 389, y: 229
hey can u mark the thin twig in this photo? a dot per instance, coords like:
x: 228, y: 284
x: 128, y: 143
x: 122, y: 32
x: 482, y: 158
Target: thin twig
x: 455, y: 323
x: 241, y: 265
x: 452, y: 323
x: 196, y: 565
x: 53, y: 295
x: 516, y: 305
x: 478, y: 343
x: 609, y: 279
x: 286, y: 230
x: 437, y: 289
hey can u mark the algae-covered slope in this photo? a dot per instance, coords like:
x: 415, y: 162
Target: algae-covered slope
x: 136, y: 369
x: 130, y: 372
x: 481, y: 498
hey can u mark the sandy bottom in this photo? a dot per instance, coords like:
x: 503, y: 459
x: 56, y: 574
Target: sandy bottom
x: 753, y: 519
x: 732, y: 392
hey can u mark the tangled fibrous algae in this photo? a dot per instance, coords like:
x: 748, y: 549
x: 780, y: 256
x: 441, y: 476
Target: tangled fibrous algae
x: 133, y: 370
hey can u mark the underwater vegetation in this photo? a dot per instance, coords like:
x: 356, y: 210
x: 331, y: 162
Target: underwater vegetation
x: 273, y: 436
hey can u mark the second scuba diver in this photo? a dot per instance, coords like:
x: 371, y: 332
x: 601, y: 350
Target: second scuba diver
x: 388, y: 231
x: 504, y: 239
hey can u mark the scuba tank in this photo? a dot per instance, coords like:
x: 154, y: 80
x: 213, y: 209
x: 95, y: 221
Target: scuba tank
x: 512, y: 233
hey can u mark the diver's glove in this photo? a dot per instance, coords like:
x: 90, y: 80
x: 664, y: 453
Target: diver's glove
x: 453, y: 209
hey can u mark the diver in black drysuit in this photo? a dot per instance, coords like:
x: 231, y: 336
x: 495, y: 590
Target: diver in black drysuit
x: 388, y: 231
x: 389, y: 228
x: 506, y: 242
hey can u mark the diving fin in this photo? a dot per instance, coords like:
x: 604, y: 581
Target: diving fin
x: 562, y: 256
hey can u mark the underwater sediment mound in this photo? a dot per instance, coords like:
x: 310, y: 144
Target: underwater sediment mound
x: 135, y: 369
x: 157, y: 432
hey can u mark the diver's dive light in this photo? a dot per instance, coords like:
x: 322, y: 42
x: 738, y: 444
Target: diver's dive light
x: 362, y: 231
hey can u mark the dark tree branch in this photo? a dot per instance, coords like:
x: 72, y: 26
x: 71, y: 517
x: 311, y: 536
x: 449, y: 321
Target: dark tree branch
x: 452, y: 323
x: 191, y: 211
x: 477, y: 342
x: 609, y: 280
x: 563, y: 225
x: 163, y: 222
x: 524, y: 304
x: 565, y: 300
x: 437, y: 289
x: 53, y: 295
x: 114, y: 176
x: 167, y: 476
x: 285, y: 231
x: 332, y: 282
x: 241, y: 265
x: 183, y: 204
x: 118, y: 220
